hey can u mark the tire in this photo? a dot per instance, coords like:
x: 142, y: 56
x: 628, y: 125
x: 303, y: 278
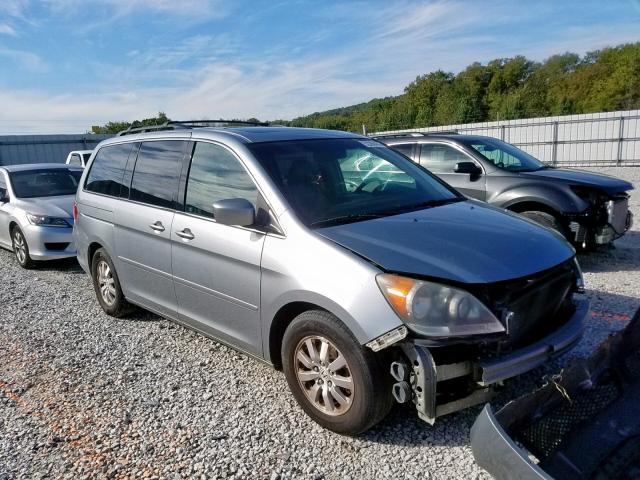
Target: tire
x: 544, y: 219
x: 21, y: 249
x: 107, y: 286
x: 349, y: 399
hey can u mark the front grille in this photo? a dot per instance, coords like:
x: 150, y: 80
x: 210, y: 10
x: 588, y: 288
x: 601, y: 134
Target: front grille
x: 56, y: 246
x: 533, y: 307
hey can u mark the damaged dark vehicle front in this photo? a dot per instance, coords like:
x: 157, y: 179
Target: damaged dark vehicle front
x: 589, y: 209
x: 583, y: 423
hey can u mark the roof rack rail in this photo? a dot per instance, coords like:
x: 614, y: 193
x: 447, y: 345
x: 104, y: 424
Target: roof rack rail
x: 177, y: 124
x: 414, y: 134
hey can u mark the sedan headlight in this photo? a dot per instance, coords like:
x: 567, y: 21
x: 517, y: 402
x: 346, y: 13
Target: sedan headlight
x: 437, y: 310
x: 44, y: 221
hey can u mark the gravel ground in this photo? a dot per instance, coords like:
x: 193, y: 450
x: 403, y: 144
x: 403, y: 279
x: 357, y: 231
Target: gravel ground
x: 85, y: 395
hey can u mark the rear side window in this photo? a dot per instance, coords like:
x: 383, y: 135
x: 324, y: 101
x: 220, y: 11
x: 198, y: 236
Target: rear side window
x: 441, y: 158
x: 405, y: 148
x: 216, y: 174
x: 107, y: 171
x: 157, y: 173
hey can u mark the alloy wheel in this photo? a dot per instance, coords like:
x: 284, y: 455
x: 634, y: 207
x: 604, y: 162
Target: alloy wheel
x: 20, y: 246
x: 106, y: 283
x: 324, y: 375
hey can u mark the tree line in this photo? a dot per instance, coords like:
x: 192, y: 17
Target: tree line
x: 503, y: 89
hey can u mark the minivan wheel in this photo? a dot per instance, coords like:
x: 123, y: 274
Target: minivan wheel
x: 337, y: 382
x: 544, y: 219
x: 107, y: 285
x: 21, y: 249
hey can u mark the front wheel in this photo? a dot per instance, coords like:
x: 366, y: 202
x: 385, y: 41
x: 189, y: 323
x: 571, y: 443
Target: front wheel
x: 337, y: 382
x: 544, y: 219
x: 21, y: 249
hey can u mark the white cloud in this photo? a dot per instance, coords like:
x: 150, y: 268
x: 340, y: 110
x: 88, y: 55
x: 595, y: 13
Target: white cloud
x: 202, y: 9
x: 29, y: 61
x: 6, y: 29
x: 13, y: 8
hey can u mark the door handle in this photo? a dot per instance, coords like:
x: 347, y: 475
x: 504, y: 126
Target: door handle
x: 186, y: 234
x: 157, y: 227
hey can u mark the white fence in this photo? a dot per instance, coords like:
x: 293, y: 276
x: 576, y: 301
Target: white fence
x: 590, y: 140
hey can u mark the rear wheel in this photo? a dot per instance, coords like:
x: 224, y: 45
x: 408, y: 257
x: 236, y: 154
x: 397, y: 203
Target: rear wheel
x: 21, y: 249
x: 107, y: 285
x: 544, y: 219
x: 337, y: 382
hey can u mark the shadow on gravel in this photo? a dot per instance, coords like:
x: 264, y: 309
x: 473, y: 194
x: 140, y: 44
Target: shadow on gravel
x: 66, y: 265
x: 623, y: 255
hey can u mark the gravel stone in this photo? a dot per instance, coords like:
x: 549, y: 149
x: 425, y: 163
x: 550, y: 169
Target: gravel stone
x: 83, y: 395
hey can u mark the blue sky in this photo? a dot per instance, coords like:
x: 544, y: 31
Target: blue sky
x: 70, y: 64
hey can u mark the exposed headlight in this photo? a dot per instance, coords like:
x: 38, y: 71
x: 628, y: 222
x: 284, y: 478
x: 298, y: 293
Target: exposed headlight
x: 45, y: 221
x: 437, y: 310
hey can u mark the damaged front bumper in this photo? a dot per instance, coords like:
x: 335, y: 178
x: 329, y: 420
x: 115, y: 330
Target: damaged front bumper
x: 602, y: 224
x: 419, y: 381
x: 583, y: 423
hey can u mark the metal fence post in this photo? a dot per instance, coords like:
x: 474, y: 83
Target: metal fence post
x: 620, y: 140
x: 554, y: 150
x: 502, y: 128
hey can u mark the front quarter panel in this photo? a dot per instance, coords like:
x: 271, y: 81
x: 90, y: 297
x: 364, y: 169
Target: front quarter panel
x: 507, y: 191
x: 304, y: 267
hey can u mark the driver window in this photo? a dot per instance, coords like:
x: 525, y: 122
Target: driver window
x: 364, y: 171
x: 498, y: 157
x: 440, y: 158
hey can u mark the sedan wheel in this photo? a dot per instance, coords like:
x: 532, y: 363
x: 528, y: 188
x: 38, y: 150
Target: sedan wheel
x: 324, y: 375
x: 21, y: 249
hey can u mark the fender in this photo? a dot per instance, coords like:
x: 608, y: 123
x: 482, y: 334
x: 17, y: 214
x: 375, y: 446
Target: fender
x: 556, y: 198
x: 386, y: 320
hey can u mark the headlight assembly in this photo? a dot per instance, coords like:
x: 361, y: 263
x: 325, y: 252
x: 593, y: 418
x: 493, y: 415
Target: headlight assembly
x: 437, y: 310
x: 44, y: 221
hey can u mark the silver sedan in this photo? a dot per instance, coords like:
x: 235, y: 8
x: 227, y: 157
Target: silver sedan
x: 36, y: 211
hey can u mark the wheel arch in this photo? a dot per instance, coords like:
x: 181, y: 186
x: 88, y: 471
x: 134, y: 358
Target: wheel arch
x: 282, y: 319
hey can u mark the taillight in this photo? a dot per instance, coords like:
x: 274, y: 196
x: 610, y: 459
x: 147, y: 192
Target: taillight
x: 75, y: 211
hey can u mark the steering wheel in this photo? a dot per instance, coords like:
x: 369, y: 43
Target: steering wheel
x: 369, y: 181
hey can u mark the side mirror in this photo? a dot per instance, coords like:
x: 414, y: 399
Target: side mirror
x: 468, y: 167
x: 234, y: 211
x: 4, y: 195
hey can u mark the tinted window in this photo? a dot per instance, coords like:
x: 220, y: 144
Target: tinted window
x: 441, y: 158
x: 157, y: 172
x: 45, y: 183
x: 216, y: 174
x: 405, y: 149
x: 335, y: 181
x: 107, y: 170
x: 504, y: 155
x: 3, y: 184
x: 86, y: 157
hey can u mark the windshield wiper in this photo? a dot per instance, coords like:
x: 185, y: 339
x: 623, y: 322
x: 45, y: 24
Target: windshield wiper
x: 424, y: 205
x: 352, y: 217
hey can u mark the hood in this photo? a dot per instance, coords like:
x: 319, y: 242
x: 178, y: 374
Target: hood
x: 607, y: 183
x: 466, y: 242
x: 61, y: 207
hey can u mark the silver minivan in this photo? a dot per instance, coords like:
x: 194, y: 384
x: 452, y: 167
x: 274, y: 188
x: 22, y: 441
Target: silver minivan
x: 366, y: 285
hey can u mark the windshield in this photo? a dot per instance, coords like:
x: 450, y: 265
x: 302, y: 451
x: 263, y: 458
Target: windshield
x: 332, y: 181
x: 44, y: 183
x: 505, y: 156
